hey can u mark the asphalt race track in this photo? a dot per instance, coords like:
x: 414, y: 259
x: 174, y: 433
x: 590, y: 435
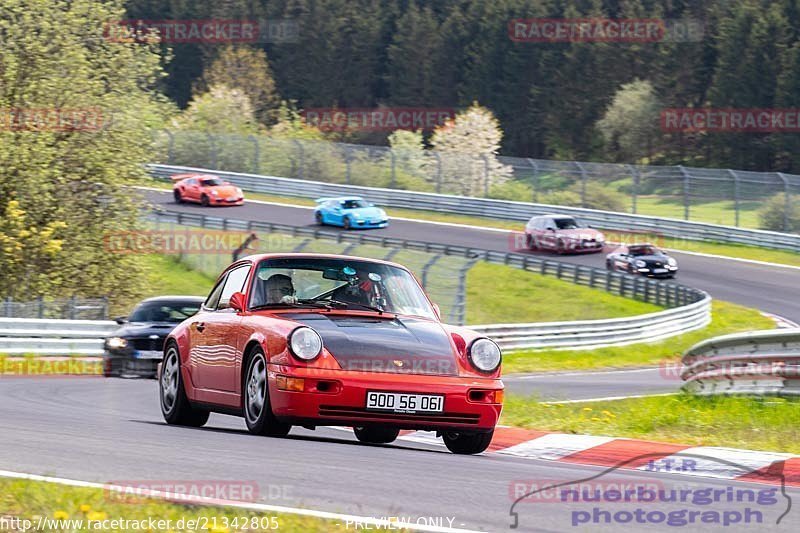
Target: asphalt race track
x: 111, y: 430
x: 772, y: 289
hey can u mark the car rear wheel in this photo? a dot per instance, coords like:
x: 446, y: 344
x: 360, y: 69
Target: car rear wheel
x: 175, y: 405
x: 467, y: 443
x: 376, y: 435
x: 257, y: 410
x: 561, y: 246
x: 204, y: 201
x: 530, y: 242
x: 177, y: 195
x: 346, y: 223
x: 318, y: 218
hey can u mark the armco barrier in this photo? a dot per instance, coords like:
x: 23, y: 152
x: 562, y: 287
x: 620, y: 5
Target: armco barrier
x: 690, y: 308
x: 756, y: 362
x: 500, y: 209
x: 53, y: 337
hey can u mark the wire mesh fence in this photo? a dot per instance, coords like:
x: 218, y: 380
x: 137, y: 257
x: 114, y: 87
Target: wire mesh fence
x: 764, y: 200
x: 68, y: 308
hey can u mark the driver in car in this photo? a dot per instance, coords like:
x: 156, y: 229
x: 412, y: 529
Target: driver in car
x: 279, y: 289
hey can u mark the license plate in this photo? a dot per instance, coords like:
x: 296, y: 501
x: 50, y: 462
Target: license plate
x: 659, y: 270
x: 404, y: 403
x: 149, y: 354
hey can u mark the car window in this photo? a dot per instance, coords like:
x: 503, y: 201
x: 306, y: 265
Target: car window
x: 191, y: 181
x: 213, y: 182
x: 213, y: 297
x: 234, y: 283
x: 567, y: 223
x: 354, y: 204
x: 172, y: 312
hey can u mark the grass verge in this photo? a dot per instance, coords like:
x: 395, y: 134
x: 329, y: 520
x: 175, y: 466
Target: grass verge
x: 726, y: 318
x: 739, y: 422
x: 504, y: 294
x: 36, y: 499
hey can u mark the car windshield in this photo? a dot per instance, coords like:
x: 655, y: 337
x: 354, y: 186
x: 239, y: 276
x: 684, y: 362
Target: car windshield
x: 354, y: 204
x: 568, y: 223
x: 172, y: 312
x: 351, y: 284
x: 212, y: 182
x: 643, y: 250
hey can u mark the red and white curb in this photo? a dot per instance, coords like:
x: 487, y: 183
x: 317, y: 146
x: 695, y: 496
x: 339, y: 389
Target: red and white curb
x: 632, y: 454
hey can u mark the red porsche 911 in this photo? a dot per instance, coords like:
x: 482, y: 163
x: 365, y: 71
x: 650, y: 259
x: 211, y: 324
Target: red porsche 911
x: 206, y: 190
x: 319, y: 340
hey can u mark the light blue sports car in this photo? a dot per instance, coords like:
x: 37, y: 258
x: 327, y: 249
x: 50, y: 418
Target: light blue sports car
x: 349, y: 212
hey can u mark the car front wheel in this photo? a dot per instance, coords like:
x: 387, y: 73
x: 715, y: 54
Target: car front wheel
x: 467, y: 443
x: 346, y: 223
x: 318, y: 218
x: 376, y: 435
x: 257, y: 410
x: 175, y: 405
x: 204, y: 201
x: 177, y: 195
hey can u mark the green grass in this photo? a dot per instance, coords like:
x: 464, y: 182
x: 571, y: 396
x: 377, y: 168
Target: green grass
x: 168, y: 275
x: 33, y: 499
x: 504, y: 294
x: 718, y: 213
x: 739, y: 422
x: 726, y: 318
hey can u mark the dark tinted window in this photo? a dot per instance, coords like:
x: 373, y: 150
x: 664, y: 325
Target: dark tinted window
x: 172, y: 312
x: 354, y: 204
x: 212, y: 182
x: 568, y: 223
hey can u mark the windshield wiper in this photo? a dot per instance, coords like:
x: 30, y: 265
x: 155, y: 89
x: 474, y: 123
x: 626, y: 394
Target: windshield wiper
x: 339, y: 303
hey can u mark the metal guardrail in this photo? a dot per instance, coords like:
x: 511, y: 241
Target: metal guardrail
x: 591, y: 334
x: 19, y: 336
x: 690, y: 308
x: 499, y: 209
x: 756, y: 362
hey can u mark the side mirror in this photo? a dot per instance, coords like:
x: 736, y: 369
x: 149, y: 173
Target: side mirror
x: 237, y: 301
x: 121, y: 319
x: 551, y: 228
x: 438, y: 311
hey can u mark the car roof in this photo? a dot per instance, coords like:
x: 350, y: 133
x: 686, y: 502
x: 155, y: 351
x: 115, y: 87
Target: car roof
x: 553, y: 215
x: 339, y: 198
x: 183, y: 298
x: 640, y: 244
x: 255, y: 258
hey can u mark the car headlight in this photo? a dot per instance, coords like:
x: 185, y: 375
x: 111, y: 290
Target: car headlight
x: 640, y: 264
x: 356, y: 215
x: 239, y: 191
x: 600, y: 237
x: 116, y: 343
x: 485, y: 355
x: 214, y: 192
x: 671, y: 262
x: 305, y: 343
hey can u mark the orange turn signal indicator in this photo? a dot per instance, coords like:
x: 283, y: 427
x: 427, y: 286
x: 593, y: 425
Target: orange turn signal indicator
x: 290, y: 384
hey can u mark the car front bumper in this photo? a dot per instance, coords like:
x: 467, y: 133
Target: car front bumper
x: 650, y: 272
x: 365, y: 224
x: 126, y: 364
x: 226, y: 201
x: 338, y: 397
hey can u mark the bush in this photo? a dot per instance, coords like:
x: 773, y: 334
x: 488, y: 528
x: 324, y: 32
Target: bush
x: 597, y: 197
x: 772, y: 216
x: 511, y: 190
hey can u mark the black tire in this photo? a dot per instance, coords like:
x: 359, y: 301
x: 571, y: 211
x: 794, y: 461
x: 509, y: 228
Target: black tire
x: 561, y: 247
x: 346, y: 223
x: 255, y: 399
x: 610, y: 266
x: 376, y: 435
x: 318, y: 218
x: 177, y: 195
x: 467, y: 443
x: 530, y: 242
x: 204, y: 201
x: 178, y: 410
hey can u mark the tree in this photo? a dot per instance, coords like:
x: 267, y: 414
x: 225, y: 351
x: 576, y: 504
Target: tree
x: 247, y: 69
x: 68, y: 185
x: 468, y: 145
x: 630, y: 125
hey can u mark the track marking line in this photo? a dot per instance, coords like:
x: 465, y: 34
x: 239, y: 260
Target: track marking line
x: 610, y: 398
x: 217, y: 502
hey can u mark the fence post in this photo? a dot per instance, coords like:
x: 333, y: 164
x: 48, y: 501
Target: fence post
x: 170, y: 146
x: 72, y: 307
x: 788, y: 205
x: 635, y: 189
x: 438, y: 172
x: 8, y: 307
x: 393, y: 182
x: 427, y: 267
x: 213, y: 146
x: 40, y: 311
x: 256, y: 154
x: 535, y: 181
x: 685, y: 192
x: 301, y: 159
x: 583, y: 183
x: 105, y: 308
x: 735, y: 177
x: 485, y: 175
x: 347, y: 161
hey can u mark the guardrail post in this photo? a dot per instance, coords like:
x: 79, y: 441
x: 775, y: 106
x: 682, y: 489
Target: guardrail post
x: 592, y: 273
x: 788, y: 205
x: 256, y: 154
x: 635, y: 189
x: 735, y: 177
x: 427, y: 267
x: 685, y: 192
x: 647, y: 291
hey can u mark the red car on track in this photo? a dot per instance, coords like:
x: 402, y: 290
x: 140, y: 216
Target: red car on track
x: 316, y: 340
x: 206, y: 190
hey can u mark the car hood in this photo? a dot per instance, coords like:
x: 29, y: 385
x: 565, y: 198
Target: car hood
x: 225, y: 190
x: 651, y: 258
x: 377, y: 344
x: 367, y: 212
x: 144, y: 329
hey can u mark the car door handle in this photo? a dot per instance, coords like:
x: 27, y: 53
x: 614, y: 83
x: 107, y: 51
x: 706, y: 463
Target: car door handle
x: 199, y: 326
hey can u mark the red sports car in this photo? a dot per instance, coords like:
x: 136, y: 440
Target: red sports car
x: 206, y: 190
x: 316, y: 340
